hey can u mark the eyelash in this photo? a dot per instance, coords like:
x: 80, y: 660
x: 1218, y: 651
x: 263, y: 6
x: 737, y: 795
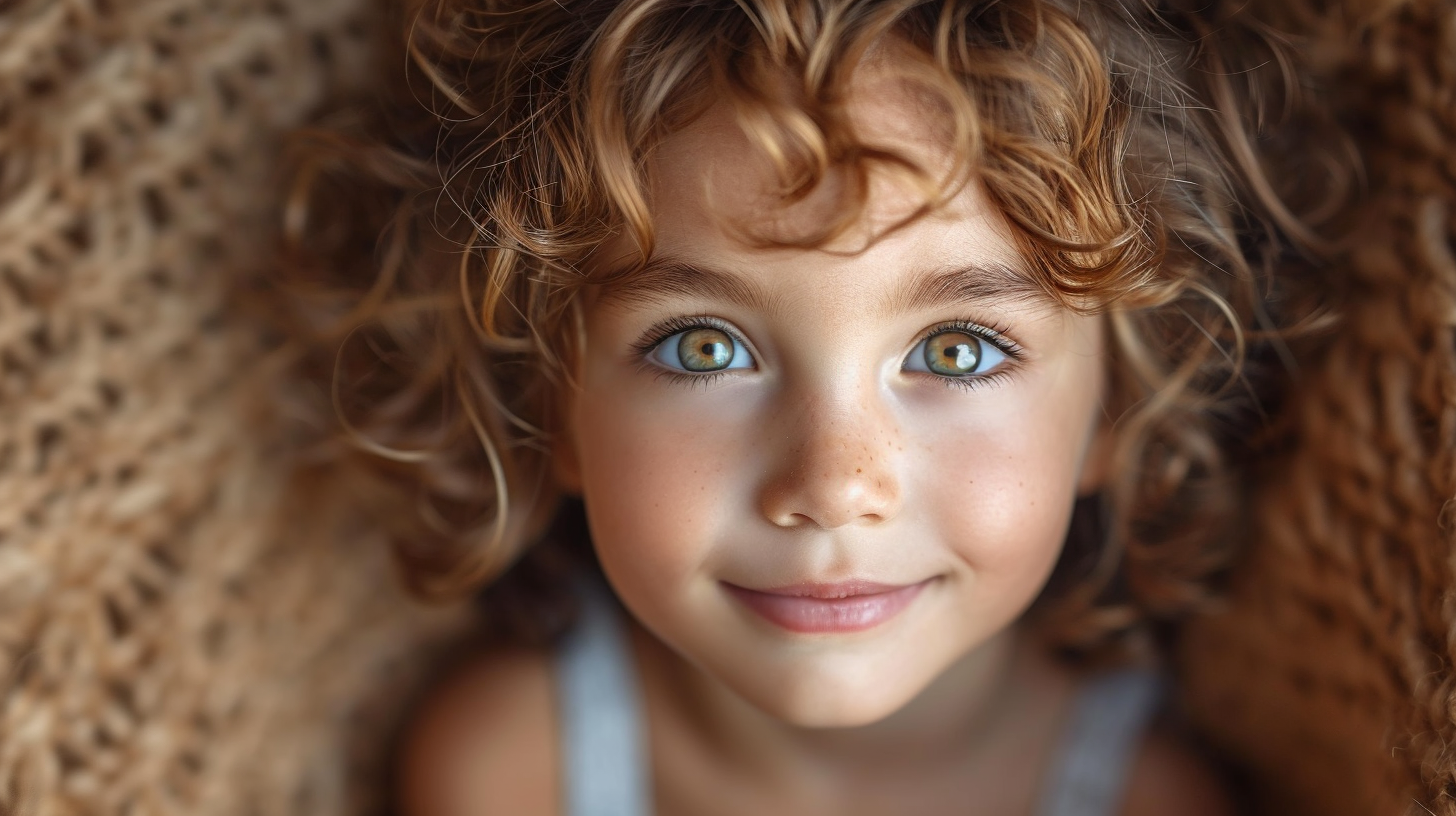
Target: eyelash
x: 668, y: 328
x: 995, y: 335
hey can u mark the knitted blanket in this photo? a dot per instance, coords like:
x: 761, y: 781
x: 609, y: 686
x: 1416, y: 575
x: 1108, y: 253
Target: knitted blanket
x: 177, y: 637
x: 173, y: 640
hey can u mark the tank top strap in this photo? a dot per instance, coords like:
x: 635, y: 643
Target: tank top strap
x: 1109, y: 716
x: 604, y: 751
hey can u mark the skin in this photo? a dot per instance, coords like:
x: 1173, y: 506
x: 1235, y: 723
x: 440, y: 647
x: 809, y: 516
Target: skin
x: 820, y: 455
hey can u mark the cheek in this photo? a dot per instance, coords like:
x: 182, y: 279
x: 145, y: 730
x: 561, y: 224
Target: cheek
x: 1005, y: 482
x: 655, y: 484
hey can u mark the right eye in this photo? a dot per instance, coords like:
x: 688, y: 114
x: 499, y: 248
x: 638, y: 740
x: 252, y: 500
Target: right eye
x: 701, y: 350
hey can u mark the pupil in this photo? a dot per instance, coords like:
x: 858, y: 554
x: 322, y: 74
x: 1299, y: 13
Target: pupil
x: 953, y: 354
x: 964, y: 357
x: 705, y: 350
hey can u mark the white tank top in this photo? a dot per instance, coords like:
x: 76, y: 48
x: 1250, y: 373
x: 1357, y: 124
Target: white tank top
x: 606, y: 766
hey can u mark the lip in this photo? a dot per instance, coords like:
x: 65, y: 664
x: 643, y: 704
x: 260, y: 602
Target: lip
x: 845, y: 606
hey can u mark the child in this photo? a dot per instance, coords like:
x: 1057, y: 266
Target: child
x: 851, y: 325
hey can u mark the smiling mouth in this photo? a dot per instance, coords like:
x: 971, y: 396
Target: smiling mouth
x: 850, y: 606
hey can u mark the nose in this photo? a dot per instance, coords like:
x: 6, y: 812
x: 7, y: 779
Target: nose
x: 837, y: 464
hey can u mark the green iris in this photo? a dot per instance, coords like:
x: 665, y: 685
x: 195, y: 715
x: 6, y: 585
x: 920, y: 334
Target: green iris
x: 705, y: 350
x: 953, y: 354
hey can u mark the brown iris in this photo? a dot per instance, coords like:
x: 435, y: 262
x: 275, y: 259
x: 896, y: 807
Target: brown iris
x: 954, y: 354
x: 705, y: 350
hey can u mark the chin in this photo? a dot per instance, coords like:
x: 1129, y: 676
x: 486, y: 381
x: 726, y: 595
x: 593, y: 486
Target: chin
x: 814, y: 700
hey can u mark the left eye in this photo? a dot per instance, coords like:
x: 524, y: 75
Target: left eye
x: 954, y: 354
x: 702, y: 350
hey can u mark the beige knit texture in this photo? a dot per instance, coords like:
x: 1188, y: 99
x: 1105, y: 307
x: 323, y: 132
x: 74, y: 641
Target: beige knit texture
x: 173, y: 642
x: 165, y: 647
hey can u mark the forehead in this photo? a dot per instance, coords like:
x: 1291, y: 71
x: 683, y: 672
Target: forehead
x: 716, y: 196
x: 714, y: 175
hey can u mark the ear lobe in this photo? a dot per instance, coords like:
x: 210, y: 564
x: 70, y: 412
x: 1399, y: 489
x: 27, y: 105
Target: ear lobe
x: 565, y: 463
x: 1097, y: 460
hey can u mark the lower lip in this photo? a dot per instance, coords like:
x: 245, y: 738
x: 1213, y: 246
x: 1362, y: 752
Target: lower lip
x: 856, y: 613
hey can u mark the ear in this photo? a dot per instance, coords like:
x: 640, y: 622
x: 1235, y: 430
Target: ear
x: 1097, y: 460
x: 565, y: 461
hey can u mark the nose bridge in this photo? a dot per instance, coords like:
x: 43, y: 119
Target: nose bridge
x: 838, y: 465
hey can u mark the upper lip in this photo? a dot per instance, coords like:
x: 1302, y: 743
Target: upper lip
x: 830, y: 590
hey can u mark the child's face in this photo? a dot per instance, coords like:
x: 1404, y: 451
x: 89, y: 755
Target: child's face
x: 771, y: 423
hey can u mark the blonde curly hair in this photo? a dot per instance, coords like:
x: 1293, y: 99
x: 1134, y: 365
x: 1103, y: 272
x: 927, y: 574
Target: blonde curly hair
x: 433, y: 269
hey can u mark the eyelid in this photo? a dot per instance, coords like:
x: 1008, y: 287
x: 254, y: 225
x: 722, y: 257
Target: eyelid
x: 995, y: 335
x: 1012, y: 353
x: 654, y: 337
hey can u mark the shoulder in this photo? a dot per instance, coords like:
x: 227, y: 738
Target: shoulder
x: 484, y: 741
x: 1168, y: 776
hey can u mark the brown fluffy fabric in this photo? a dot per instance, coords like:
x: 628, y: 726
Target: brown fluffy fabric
x: 176, y: 638
x: 1328, y: 673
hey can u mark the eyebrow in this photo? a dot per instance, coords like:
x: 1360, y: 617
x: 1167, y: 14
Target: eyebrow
x: 665, y: 279
x: 969, y: 283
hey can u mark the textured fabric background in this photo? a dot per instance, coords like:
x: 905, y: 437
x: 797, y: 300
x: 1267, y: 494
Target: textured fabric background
x: 1329, y: 670
x: 165, y: 646
x: 175, y: 638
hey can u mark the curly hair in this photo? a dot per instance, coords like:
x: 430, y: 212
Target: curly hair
x: 433, y: 265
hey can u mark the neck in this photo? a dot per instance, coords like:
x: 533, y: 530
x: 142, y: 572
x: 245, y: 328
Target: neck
x: 969, y: 706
